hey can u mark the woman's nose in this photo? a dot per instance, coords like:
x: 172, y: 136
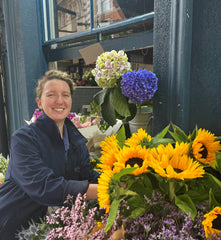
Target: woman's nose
x: 59, y: 99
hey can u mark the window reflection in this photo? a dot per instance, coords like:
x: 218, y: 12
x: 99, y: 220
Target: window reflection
x: 72, y: 16
x: 111, y: 11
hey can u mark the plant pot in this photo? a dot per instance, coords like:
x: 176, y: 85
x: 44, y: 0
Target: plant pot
x: 143, y: 119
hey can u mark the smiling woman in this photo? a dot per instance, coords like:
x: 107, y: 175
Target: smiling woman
x: 48, y: 161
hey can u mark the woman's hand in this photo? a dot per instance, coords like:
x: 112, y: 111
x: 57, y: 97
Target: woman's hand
x: 91, y: 192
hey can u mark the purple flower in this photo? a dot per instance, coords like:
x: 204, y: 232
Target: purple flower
x: 71, y: 115
x: 139, y: 86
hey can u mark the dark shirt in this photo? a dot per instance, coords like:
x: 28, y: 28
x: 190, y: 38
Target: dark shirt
x: 40, y: 174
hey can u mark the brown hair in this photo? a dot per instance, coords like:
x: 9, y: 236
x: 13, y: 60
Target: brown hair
x: 51, y: 75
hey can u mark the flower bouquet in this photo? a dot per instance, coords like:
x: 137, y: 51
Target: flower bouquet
x: 160, y: 188
x: 79, y: 120
x: 123, y: 89
x: 108, y: 71
x: 149, y: 188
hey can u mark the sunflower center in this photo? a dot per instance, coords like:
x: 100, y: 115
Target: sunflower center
x: 177, y: 170
x: 133, y: 161
x: 217, y: 223
x: 204, y: 152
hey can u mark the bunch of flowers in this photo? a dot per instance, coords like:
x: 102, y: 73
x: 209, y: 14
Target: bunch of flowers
x: 139, y: 86
x: 88, y: 79
x: 3, y: 168
x: 164, y: 221
x: 78, y: 221
x: 80, y: 121
x: 109, y: 68
x: 184, y: 170
x: 123, y: 88
x: 149, y: 188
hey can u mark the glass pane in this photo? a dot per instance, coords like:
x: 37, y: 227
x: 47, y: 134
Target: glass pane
x: 107, y: 12
x: 71, y: 16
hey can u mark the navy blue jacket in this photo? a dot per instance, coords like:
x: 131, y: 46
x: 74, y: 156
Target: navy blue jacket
x: 39, y: 175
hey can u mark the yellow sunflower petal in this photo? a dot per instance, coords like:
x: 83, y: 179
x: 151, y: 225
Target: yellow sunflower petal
x: 211, y: 227
x: 109, y: 148
x: 137, y: 138
x: 171, y: 163
x: 204, y: 147
x: 133, y: 156
x: 103, y: 190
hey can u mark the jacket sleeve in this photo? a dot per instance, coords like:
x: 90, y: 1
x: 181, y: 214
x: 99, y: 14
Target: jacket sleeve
x: 28, y: 170
x: 86, y: 171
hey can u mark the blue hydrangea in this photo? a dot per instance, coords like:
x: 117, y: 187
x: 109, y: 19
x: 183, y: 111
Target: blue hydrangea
x: 139, y: 86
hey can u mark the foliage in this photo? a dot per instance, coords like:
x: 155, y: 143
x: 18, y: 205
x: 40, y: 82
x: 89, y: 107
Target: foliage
x: 174, y: 168
x: 120, y: 85
x: 139, y: 86
x: 88, y: 79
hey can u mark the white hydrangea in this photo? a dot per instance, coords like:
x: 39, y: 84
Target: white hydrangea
x: 109, y: 68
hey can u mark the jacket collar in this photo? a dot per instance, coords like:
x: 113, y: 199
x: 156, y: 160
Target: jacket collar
x: 47, y: 125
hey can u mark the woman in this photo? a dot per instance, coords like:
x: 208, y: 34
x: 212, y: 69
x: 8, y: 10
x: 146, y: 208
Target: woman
x: 48, y: 160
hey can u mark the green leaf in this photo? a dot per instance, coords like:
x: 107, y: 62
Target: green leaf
x: 212, y: 200
x: 193, y: 135
x: 120, y: 103
x: 123, y: 172
x: 185, y: 203
x: 121, y: 136
x: 107, y: 108
x: 218, y: 161
x: 138, y: 206
x: 218, y: 139
x: 199, y: 188
x: 179, y: 134
x: 112, y: 213
x: 157, y: 141
x: 137, y: 213
x: 133, y: 111
x: 142, y: 189
x: 215, y: 180
x: 163, y: 132
x: 99, y: 96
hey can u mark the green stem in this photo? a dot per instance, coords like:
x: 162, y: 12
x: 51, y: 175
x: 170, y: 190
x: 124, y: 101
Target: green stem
x: 139, y: 108
x: 171, y: 191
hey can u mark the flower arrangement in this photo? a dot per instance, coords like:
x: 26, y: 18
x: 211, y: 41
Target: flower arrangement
x: 108, y: 71
x: 109, y: 68
x: 88, y: 79
x: 80, y: 121
x: 139, y: 86
x: 184, y: 172
x: 124, y: 89
x: 70, y: 222
x: 149, y: 188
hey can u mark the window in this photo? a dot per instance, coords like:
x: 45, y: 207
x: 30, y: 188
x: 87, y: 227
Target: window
x: 105, y: 5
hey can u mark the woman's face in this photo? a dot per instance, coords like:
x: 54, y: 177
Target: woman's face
x: 56, y: 100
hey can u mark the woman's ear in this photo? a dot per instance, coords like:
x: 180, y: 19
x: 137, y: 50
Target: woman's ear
x: 38, y: 101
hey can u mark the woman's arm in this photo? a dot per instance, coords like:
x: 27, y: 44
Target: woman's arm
x: 91, y: 192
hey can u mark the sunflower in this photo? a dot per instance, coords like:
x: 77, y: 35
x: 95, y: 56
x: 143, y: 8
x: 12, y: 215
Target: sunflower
x: 182, y: 148
x: 204, y: 147
x: 179, y: 150
x: 212, y: 223
x: 178, y: 167
x: 134, y: 156
x: 103, y: 189
x: 138, y: 138
x: 109, y: 148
